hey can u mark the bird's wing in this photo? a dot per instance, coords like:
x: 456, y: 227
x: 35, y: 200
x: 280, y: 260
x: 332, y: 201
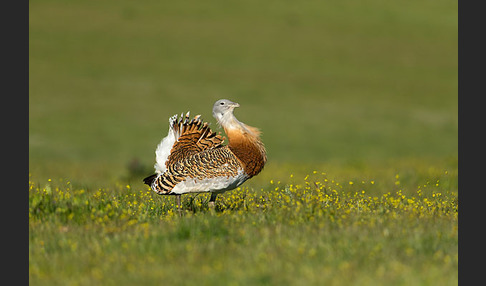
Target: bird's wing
x: 192, y: 137
x: 211, y: 169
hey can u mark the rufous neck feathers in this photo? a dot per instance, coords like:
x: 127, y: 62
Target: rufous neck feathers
x: 245, y: 143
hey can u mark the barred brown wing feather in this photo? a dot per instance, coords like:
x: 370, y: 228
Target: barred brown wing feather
x: 208, y: 164
x: 193, y: 137
x: 216, y: 162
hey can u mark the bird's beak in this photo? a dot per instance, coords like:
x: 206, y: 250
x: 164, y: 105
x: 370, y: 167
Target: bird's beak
x: 234, y: 104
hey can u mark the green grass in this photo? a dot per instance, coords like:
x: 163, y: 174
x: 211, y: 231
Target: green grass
x: 309, y: 231
x: 343, y: 82
x: 358, y: 90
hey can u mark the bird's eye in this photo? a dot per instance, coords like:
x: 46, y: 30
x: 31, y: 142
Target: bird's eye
x: 222, y: 103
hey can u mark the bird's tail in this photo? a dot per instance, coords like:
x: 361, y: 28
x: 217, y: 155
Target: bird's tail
x: 163, y: 149
x: 185, y: 137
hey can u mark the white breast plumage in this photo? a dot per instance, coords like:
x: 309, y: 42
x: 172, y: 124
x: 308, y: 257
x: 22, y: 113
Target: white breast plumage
x: 214, y: 184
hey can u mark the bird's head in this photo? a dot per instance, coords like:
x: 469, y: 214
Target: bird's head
x: 236, y: 130
x: 223, y: 109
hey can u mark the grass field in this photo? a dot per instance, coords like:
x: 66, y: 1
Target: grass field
x: 357, y: 102
x: 309, y: 231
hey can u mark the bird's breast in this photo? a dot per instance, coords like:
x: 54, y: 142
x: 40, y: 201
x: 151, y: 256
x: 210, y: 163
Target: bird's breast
x: 213, y: 184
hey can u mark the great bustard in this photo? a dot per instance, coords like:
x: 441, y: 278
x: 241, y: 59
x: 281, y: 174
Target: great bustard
x: 193, y: 159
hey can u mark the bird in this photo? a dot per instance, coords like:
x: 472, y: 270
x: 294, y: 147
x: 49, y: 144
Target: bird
x: 192, y: 158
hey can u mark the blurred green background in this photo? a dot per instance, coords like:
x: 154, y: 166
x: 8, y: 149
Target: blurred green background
x: 332, y: 85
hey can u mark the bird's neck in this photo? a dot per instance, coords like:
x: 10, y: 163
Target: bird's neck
x: 245, y: 143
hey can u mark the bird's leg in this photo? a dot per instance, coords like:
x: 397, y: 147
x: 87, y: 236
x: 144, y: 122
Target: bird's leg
x: 178, y: 203
x: 212, y: 201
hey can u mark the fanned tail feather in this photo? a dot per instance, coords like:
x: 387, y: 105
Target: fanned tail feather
x: 163, y: 149
x: 185, y: 137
